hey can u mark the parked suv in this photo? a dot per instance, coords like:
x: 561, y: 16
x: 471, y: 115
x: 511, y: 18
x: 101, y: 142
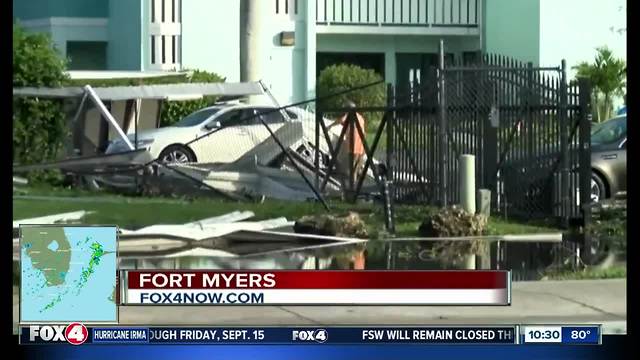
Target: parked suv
x: 609, y: 159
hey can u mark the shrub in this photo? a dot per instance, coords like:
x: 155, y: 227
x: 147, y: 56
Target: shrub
x: 340, y: 78
x: 454, y: 222
x: 350, y: 225
x: 39, y: 128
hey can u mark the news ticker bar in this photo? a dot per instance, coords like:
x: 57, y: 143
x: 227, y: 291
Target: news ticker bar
x: 182, y: 287
x: 78, y: 334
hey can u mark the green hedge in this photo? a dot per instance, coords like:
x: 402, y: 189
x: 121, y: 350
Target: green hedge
x: 339, y: 78
x: 39, y: 129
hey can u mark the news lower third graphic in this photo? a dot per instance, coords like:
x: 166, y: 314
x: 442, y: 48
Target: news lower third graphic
x: 77, y: 334
x: 68, y: 274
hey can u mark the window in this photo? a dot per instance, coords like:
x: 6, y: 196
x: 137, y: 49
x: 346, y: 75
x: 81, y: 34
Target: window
x: 164, y: 55
x: 271, y: 116
x: 230, y: 118
x: 197, y: 117
x: 153, y: 49
x: 162, y: 19
x: 173, y: 11
x: 610, y: 131
x: 178, y: 50
x: 87, y: 55
x: 174, y: 42
x: 292, y: 115
x: 179, y: 10
x: 153, y: 11
x: 286, y: 6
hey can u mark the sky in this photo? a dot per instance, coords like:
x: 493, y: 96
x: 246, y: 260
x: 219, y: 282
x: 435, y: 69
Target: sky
x: 573, y: 29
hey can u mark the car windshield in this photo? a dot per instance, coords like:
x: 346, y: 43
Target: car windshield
x: 610, y: 131
x: 197, y: 117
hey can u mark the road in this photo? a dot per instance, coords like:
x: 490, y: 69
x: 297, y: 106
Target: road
x: 551, y: 302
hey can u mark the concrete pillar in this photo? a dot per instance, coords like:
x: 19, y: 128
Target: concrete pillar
x: 467, y: 166
x: 310, y: 49
x: 390, y: 66
x: 250, y: 42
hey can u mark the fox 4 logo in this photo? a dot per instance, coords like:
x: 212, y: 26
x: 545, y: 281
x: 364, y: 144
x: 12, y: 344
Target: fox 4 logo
x: 74, y: 333
x: 319, y: 335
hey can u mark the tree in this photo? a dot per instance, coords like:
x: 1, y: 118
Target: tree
x: 39, y: 128
x: 343, y: 77
x: 608, y: 78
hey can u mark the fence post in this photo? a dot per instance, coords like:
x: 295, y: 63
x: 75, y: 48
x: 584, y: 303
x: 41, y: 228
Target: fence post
x: 489, y: 142
x: 584, y: 88
x: 391, y: 123
x: 442, y: 130
x: 564, y: 147
x: 389, y: 189
x: 351, y: 119
x: 317, y: 148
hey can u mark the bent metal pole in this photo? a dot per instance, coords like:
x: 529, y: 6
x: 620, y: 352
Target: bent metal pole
x: 103, y: 110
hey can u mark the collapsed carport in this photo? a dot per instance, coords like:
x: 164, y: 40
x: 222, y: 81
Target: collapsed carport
x: 250, y: 175
x: 101, y: 114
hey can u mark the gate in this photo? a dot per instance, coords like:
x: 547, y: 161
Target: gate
x: 528, y: 129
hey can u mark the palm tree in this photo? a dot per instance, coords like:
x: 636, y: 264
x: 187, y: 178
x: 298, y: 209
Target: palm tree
x: 608, y: 77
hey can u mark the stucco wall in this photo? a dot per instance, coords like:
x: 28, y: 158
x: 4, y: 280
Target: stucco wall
x: 37, y: 9
x: 125, y: 25
x: 211, y: 36
x: 512, y: 28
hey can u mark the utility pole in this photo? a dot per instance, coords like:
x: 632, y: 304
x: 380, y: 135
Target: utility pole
x: 250, y: 33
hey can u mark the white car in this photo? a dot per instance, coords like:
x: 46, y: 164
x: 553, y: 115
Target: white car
x: 216, y: 134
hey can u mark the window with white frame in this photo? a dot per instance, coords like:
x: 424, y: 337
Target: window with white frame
x: 165, y: 33
x: 286, y: 7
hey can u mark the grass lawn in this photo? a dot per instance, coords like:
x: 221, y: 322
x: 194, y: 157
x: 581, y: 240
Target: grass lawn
x: 135, y: 212
x: 614, y: 272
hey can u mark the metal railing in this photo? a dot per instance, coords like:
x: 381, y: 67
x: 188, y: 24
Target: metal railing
x: 437, y: 13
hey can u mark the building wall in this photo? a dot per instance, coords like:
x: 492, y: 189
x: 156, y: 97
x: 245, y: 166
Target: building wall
x: 37, y: 9
x: 284, y: 67
x: 211, y: 36
x: 125, y: 35
x: 63, y: 30
x: 512, y: 28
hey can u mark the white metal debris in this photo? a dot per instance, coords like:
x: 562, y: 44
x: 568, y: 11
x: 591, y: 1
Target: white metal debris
x: 201, y: 232
x: 20, y: 181
x: 52, y: 219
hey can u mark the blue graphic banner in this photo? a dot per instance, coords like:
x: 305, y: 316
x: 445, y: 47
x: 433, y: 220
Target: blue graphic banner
x: 52, y: 334
x: 613, y: 347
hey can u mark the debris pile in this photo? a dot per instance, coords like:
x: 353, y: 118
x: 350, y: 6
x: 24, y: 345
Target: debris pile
x: 350, y: 225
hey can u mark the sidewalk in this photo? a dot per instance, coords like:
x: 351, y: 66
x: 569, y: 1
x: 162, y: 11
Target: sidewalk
x: 551, y: 302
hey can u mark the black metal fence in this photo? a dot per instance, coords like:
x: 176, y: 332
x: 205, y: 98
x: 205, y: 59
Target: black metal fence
x: 528, y: 129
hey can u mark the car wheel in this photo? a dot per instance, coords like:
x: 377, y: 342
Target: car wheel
x: 177, y: 154
x: 598, y: 189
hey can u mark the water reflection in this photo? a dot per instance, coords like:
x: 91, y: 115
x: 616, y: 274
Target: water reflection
x: 359, y: 256
x: 527, y: 261
x: 340, y: 258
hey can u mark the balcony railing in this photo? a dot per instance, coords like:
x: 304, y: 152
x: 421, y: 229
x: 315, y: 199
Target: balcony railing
x: 443, y: 13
